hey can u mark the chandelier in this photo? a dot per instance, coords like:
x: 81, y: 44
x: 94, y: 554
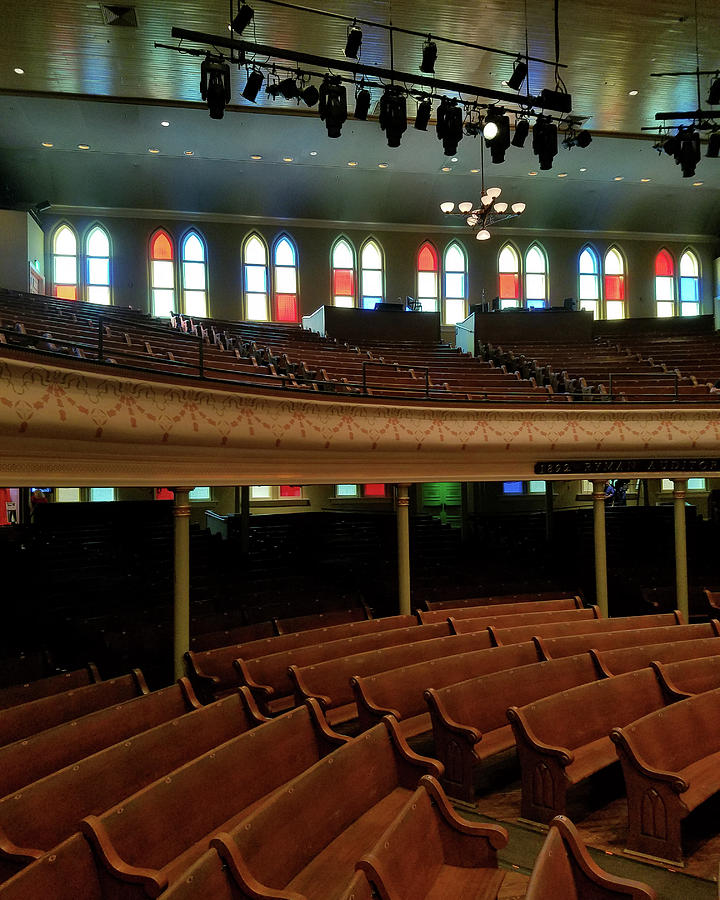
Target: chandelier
x: 488, y: 212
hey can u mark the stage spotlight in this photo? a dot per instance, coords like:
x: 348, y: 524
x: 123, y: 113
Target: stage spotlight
x: 713, y: 148
x: 393, y: 115
x: 714, y: 93
x: 288, y: 88
x: 422, y: 117
x: 333, y: 105
x: 363, y: 99
x: 522, y: 129
x: 310, y: 95
x: 689, y: 152
x: 215, y: 85
x: 354, y: 39
x: 449, y: 125
x: 544, y: 143
x: 518, y: 76
x: 429, y: 56
x: 253, y: 85
x: 671, y: 146
x: 243, y: 18
x: 497, y: 134
x: 583, y: 139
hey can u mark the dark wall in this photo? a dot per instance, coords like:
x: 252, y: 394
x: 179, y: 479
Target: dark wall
x: 130, y: 239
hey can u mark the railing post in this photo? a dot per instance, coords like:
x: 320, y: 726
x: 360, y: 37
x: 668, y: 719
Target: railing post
x: 611, y: 390
x: 427, y: 382
x: 364, y: 383
x: 101, y: 349
x: 677, y: 387
x: 201, y: 354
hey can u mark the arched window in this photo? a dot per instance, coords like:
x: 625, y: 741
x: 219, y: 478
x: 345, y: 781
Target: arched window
x: 614, y: 284
x: 255, y: 270
x: 427, y: 278
x: 535, y: 278
x: 285, y: 283
x: 97, y: 266
x: 664, y: 284
x: 343, y: 274
x: 509, y: 277
x: 455, y: 283
x: 689, y: 284
x: 589, y: 281
x: 64, y: 254
x: 194, y: 275
x: 371, y: 275
x: 162, y: 273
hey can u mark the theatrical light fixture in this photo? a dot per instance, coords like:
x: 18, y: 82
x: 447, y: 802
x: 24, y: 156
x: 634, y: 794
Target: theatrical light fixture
x: 498, y: 123
x: 215, y: 85
x: 584, y: 139
x: 310, y: 95
x: 253, y: 85
x: 689, y: 152
x: 449, y: 125
x: 393, y: 115
x: 429, y: 56
x: 288, y: 88
x: 574, y: 138
x: 714, y: 93
x: 424, y: 111
x: 518, y: 76
x: 243, y: 18
x: 522, y: 129
x: 354, y: 40
x: 363, y: 100
x: 544, y: 142
x: 333, y: 105
x: 713, y: 148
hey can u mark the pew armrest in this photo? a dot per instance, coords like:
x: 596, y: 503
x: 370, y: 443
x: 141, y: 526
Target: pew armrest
x: 243, y: 877
x: 408, y: 761
x: 331, y: 739
x: 244, y: 677
x: 562, y: 755
x: 471, y: 734
x: 152, y: 881
x: 12, y: 851
x: 496, y: 836
x: 630, y: 755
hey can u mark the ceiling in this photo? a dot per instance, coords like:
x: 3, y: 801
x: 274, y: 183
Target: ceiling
x: 74, y: 64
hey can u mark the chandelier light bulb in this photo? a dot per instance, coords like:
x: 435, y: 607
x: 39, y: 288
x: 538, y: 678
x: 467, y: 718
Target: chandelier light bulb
x: 494, y: 192
x: 486, y: 200
x: 501, y: 207
x: 465, y: 206
x: 472, y: 221
x: 483, y: 235
x: 490, y: 131
x: 517, y: 208
x: 447, y: 207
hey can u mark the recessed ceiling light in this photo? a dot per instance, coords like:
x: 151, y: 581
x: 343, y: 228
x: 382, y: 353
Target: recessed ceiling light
x: 447, y: 168
x: 382, y: 165
x: 454, y: 159
x: 619, y: 177
x: 532, y: 173
x: 256, y: 156
x: 19, y: 71
x: 697, y: 183
x: 288, y: 158
x: 583, y: 168
x: 504, y: 83
x: 189, y: 152
x: 47, y: 144
x: 352, y: 164
x: 644, y: 180
x: 165, y: 124
x: 632, y: 93
x: 474, y: 171
x: 83, y: 146
x: 313, y: 153
x: 153, y: 150
x: 562, y: 174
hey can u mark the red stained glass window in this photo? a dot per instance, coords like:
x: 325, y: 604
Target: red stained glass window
x: 374, y: 490
x: 164, y: 494
x: 66, y: 291
x: 614, y: 287
x: 427, y: 259
x: 664, y: 264
x: 509, y: 286
x: 286, y: 307
x: 343, y: 283
x: 161, y: 246
x: 290, y: 491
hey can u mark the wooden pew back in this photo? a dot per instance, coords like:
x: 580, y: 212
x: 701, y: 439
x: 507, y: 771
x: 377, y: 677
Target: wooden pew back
x: 691, y: 676
x: 46, y: 687
x: 467, y: 609
x: 540, y: 597
x: 207, y: 878
x: 566, y: 629
x: 627, y: 659
x: 516, y: 620
x: 68, y: 872
x: 313, y: 621
x: 557, y: 647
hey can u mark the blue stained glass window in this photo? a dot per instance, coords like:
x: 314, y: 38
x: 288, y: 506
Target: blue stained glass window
x: 688, y: 290
x: 512, y: 487
x: 369, y: 302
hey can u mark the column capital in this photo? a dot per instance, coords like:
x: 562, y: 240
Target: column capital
x: 598, y: 492
x: 679, y: 488
x: 181, y: 504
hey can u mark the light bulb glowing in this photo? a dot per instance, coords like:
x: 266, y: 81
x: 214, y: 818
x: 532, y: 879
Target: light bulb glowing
x: 483, y: 235
x: 501, y: 207
x: 494, y: 192
x: 517, y: 208
x: 447, y: 207
x: 472, y: 221
x: 490, y: 131
x: 486, y: 200
x: 465, y: 206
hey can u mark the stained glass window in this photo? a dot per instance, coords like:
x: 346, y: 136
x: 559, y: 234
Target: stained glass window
x: 194, y: 275
x: 65, y: 264
x: 664, y: 284
x: 614, y: 285
x: 508, y: 277
x: 255, y: 271
x: 346, y: 490
x: 455, y: 283
x: 162, y: 273
x: 427, y: 278
x: 535, y: 278
x: 285, y: 285
x: 97, y: 266
x: 689, y: 284
x: 373, y: 490
x: 371, y: 275
x: 343, y: 274
x: 589, y: 281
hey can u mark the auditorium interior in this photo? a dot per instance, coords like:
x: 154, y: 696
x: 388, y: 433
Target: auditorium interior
x: 360, y: 450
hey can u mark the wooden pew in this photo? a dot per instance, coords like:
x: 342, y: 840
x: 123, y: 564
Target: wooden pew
x: 17, y: 722
x: 322, y: 620
x: 469, y: 719
x: 271, y: 685
x: 47, y: 751
x: 627, y: 659
x: 516, y: 620
x: 429, y: 850
x: 557, y: 647
x: 400, y: 692
x: 46, y: 687
x: 690, y: 676
x: 543, y: 597
x: 563, y: 739
x: 240, y: 634
x: 46, y: 812
x: 470, y: 609
x: 330, y: 682
x: 671, y: 763
x: 215, y: 791
x: 565, y: 629
x: 341, y: 806
x: 564, y: 868
x: 68, y: 872
x: 211, y: 672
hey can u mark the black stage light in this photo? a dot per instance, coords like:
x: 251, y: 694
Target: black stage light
x: 498, y: 144
x: 522, y: 128
x: 713, y: 148
x: 333, y: 105
x: 583, y: 139
x: 393, y: 115
x: 288, y: 88
x: 429, y: 55
x: 215, y: 85
x: 422, y: 117
x: 671, y: 146
x: 449, y: 125
x: 253, y: 85
x: 243, y: 18
x: 689, y: 152
x: 363, y: 99
x: 310, y: 95
x: 354, y: 39
x: 518, y: 76
x: 558, y: 101
x: 714, y: 93
x: 544, y: 143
